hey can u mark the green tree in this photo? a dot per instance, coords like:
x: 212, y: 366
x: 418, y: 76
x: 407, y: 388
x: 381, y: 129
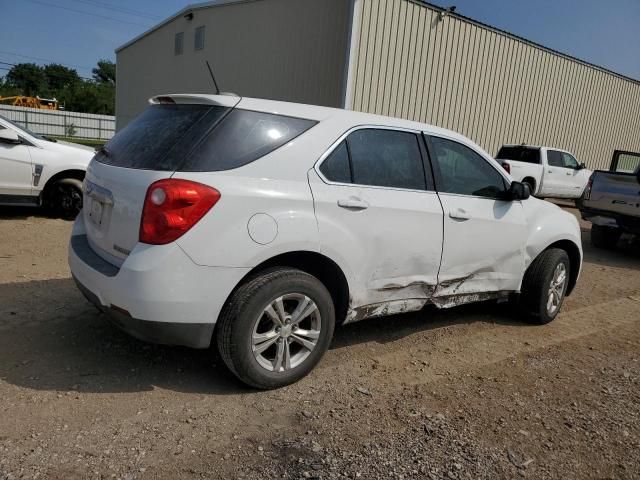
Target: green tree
x: 105, y: 72
x: 55, y: 80
x: 28, y: 78
x: 58, y: 77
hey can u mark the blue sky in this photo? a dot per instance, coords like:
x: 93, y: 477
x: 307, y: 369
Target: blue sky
x: 598, y: 31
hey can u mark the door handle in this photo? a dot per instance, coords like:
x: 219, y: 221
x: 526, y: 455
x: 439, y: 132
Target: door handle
x: 353, y: 203
x: 459, y: 214
x: 569, y: 173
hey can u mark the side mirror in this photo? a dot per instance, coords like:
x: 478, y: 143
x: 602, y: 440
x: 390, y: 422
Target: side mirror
x: 519, y: 191
x: 582, y: 166
x: 9, y: 136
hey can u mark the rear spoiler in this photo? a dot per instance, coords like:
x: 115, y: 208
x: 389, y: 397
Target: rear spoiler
x: 223, y: 100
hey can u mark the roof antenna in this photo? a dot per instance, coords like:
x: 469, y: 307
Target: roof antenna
x: 213, y: 78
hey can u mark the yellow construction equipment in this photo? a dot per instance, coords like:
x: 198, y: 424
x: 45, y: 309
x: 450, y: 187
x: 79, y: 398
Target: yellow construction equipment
x: 31, y: 102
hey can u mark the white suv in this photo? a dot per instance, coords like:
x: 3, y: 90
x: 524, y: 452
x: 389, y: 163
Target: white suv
x: 261, y: 225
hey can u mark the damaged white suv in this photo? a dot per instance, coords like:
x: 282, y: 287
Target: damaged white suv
x: 260, y: 226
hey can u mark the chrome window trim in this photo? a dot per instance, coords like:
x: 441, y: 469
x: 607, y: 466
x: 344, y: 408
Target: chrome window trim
x: 340, y: 139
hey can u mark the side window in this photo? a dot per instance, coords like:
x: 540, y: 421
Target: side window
x: 178, y: 44
x: 199, y: 38
x: 386, y: 158
x: 628, y: 163
x: 568, y: 161
x: 465, y: 172
x: 336, y: 166
x: 554, y: 158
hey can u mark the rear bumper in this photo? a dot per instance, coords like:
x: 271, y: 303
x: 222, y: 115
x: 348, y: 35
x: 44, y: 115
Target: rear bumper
x: 194, y: 335
x: 158, y: 294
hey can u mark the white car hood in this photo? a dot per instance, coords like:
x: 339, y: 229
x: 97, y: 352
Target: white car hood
x: 76, y: 145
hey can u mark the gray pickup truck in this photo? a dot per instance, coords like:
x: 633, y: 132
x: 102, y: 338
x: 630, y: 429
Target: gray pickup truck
x: 611, y: 200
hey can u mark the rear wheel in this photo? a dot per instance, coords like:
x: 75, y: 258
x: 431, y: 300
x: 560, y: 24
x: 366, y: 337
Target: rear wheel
x: 64, y: 198
x: 276, y: 327
x: 545, y: 285
x: 604, y: 237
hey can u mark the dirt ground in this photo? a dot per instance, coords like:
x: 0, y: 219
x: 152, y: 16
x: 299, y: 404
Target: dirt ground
x: 465, y: 393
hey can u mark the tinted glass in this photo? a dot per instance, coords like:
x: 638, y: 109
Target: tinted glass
x: 243, y: 137
x: 147, y: 142
x: 464, y: 172
x: 519, y: 154
x: 336, y: 166
x: 568, y: 161
x: 386, y: 158
x: 554, y: 158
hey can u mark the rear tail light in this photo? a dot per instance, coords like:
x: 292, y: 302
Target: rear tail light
x: 172, y: 207
x: 587, y: 189
x: 507, y: 167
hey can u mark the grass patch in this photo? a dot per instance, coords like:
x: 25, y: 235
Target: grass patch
x: 90, y: 142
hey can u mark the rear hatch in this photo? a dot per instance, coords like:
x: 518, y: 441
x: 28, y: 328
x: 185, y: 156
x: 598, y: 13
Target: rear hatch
x: 185, y: 133
x: 152, y: 147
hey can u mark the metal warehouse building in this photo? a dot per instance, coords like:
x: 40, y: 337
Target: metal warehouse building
x: 403, y: 58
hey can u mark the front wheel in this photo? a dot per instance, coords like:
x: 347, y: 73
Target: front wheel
x: 276, y: 327
x: 544, y: 286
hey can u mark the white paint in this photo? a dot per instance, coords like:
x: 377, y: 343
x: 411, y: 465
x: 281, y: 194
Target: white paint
x: 18, y: 161
x: 403, y: 250
x: 262, y: 228
x: 550, y: 181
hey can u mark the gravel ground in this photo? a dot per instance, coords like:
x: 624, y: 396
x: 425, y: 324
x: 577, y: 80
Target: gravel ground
x: 465, y: 393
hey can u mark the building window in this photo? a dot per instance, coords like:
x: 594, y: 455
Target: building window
x: 179, y: 42
x: 199, y: 39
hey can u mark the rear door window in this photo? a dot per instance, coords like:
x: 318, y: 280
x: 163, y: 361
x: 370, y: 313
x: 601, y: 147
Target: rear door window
x: 380, y: 158
x: 386, y: 158
x: 336, y: 167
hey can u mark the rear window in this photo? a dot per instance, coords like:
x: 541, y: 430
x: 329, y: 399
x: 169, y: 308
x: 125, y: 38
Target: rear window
x: 197, y: 138
x: 243, y: 137
x: 519, y: 154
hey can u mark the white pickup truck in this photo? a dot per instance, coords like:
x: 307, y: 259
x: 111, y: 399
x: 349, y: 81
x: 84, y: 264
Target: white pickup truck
x: 36, y: 170
x: 549, y: 172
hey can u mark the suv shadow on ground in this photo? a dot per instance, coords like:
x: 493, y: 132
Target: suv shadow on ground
x: 53, y: 339
x: 23, y: 213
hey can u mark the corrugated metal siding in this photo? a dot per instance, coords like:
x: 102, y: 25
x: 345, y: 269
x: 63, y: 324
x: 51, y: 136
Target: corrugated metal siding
x: 488, y: 85
x: 293, y: 50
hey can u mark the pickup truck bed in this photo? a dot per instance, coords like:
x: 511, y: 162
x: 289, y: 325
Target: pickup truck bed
x: 611, y: 201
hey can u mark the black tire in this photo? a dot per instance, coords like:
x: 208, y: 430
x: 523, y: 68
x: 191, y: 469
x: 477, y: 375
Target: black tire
x: 246, y: 307
x: 604, y: 237
x: 64, y: 198
x: 536, y: 291
x: 531, y: 187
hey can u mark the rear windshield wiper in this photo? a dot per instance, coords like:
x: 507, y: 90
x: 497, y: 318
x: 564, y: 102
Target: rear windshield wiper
x: 105, y: 151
